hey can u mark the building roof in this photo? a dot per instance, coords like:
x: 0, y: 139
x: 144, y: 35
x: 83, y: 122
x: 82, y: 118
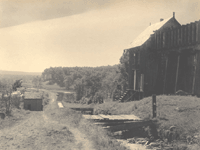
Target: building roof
x: 145, y: 35
x: 33, y: 95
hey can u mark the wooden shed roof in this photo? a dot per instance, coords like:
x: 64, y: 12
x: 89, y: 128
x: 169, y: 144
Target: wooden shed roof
x: 145, y: 35
x: 32, y: 95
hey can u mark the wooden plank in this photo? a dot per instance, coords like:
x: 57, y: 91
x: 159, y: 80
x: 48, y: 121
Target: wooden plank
x: 178, y: 36
x: 165, y: 75
x: 175, y: 38
x: 171, y: 39
x: 134, y: 82
x: 104, y: 116
x: 80, y: 109
x: 105, y: 124
x: 164, y: 40
x: 193, y: 33
x: 181, y: 36
x: 186, y: 35
x: 84, y: 109
x: 93, y: 117
x: 198, y: 32
x: 189, y: 34
x: 127, y: 126
x: 159, y: 40
x: 131, y: 117
x: 177, y: 69
x: 195, y: 68
x: 115, y: 117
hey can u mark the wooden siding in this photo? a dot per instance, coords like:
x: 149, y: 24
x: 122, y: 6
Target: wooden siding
x: 186, y: 35
x: 35, y: 104
x: 169, y: 60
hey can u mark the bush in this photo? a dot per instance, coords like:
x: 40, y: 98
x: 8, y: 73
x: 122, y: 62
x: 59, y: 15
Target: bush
x: 16, y: 101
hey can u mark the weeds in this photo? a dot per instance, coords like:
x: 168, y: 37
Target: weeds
x: 180, y: 111
x: 100, y: 138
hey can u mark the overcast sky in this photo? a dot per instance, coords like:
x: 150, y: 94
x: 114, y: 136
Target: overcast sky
x: 38, y: 34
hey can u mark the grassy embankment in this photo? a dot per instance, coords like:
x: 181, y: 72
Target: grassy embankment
x: 180, y: 111
x: 98, y: 136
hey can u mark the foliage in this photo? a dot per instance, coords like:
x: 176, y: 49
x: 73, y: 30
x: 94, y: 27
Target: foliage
x: 91, y: 83
x: 6, y: 91
x: 8, y: 99
x: 180, y: 111
x: 37, y: 81
x: 17, y: 84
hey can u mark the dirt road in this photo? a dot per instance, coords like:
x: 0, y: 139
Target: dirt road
x: 39, y: 132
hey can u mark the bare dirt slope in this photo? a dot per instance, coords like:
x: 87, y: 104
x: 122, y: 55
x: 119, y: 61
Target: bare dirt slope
x: 38, y: 132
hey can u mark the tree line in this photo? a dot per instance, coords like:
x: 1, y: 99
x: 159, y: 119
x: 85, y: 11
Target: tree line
x: 91, y: 84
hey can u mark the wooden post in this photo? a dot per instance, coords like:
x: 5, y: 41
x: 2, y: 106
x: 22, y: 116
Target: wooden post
x: 154, y: 105
x: 165, y: 75
x: 195, y: 68
x: 134, y: 82
x: 177, y: 73
x: 130, y: 74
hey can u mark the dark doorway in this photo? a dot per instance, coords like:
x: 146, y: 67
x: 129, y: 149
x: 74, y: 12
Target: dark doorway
x: 186, y: 69
x: 29, y: 106
x: 171, y: 73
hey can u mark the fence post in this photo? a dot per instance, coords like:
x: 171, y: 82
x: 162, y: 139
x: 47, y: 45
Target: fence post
x: 154, y: 105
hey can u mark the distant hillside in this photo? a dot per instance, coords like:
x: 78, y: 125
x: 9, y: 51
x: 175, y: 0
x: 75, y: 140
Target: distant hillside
x: 3, y: 72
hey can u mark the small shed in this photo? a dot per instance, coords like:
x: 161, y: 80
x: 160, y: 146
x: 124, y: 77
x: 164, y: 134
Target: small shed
x: 33, y: 101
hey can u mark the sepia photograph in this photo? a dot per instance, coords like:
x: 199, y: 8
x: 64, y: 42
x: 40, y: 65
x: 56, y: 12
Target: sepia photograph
x: 99, y: 74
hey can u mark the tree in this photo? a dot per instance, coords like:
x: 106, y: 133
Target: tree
x: 6, y: 90
x: 17, y: 84
x: 37, y: 81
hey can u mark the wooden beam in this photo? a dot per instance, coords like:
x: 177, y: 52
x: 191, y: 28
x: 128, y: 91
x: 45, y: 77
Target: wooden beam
x: 196, y: 32
x: 165, y: 75
x: 134, y: 82
x: 177, y: 68
x: 115, y: 123
x: 128, y: 126
x: 84, y: 109
x: 181, y: 36
x: 130, y: 77
x: 195, y: 68
x: 154, y: 112
x: 172, y: 41
x: 193, y: 33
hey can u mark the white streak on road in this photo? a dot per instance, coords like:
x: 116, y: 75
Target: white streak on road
x: 60, y: 105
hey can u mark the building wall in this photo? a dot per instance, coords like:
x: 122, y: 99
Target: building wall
x: 197, y: 75
x: 159, y: 63
x: 35, y: 104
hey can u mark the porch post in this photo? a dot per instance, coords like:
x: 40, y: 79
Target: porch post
x: 165, y: 74
x: 177, y: 73
x: 135, y: 74
x: 195, y: 68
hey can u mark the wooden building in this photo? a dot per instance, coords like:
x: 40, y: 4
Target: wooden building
x: 33, y: 102
x: 163, y: 59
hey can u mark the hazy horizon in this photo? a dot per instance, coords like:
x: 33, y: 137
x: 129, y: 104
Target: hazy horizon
x: 38, y: 34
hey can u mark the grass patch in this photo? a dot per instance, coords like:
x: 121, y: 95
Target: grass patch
x: 180, y: 111
x: 16, y: 116
x: 46, y: 86
x: 99, y: 137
